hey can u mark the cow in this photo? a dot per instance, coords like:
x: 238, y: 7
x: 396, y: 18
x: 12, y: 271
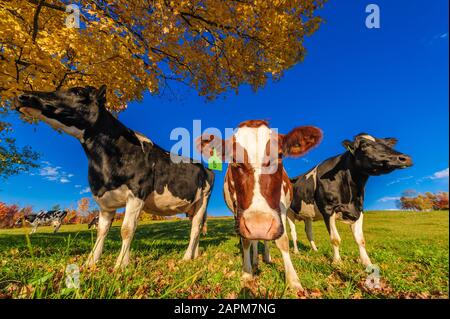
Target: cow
x: 334, y: 189
x: 125, y: 168
x: 43, y: 218
x: 256, y: 187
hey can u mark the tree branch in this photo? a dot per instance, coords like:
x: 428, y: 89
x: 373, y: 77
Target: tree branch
x: 36, y: 20
x: 48, y: 5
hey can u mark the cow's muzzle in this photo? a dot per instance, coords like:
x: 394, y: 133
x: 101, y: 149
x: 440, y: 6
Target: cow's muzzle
x: 260, y: 226
x: 26, y: 101
x: 402, y: 161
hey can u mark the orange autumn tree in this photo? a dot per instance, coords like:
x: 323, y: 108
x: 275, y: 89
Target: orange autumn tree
x: 136, y: 46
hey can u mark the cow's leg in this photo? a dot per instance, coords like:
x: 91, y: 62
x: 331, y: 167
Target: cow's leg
x: 267, y: 258
x: 334, y: 237
x: 197, y: 224
x: 57, y: 226
x: 255, y: 254
x: 34, y: 229
x: 309, y: 233
x: 357, y: 229
x: 132, y: 211
x: 246, y: 260
x: 104, y: 224
x: 283, y: 245
x: 291, y: 222
x: 192, y: 250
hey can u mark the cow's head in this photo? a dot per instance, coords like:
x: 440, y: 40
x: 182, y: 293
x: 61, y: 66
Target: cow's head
x: 72, y: 111
x: 24, y: 219
x: 255, y: 177
x: 376, y: 156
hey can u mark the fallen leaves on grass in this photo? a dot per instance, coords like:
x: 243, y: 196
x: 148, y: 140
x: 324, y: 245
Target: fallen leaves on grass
x: 19, y: 290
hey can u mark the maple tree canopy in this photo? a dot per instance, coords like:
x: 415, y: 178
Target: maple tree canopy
x: 134, y: 46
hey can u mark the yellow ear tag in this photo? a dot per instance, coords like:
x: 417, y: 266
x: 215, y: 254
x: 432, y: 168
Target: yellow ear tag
x: 214, y: 162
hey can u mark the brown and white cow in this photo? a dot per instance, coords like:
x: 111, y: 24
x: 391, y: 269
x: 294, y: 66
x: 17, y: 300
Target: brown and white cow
x: 257, y: 189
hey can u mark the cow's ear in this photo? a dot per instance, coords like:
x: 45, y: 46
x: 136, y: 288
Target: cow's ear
x: 300, y: 140
x: 390, y: 141
x: 350, y: 146
x: 101, y: 95
x: 208, y: 144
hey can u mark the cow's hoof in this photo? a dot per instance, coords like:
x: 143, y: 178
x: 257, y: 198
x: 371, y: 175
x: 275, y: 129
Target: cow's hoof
x: 89, y: 265
x: 187, y: 258
x: 119, y: 266
x: 296, y: 286
x: 296, y: 251
x: 337, y: 261
x: 267, y: 260
x: 246, y: 277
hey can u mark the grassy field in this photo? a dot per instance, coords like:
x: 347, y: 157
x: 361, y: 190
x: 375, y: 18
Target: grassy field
x: 411, y: 249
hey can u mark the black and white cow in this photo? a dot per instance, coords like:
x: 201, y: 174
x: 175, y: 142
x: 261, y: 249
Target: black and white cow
x: 126, y: 169
x: 334, y: 189
x: 43, y: 218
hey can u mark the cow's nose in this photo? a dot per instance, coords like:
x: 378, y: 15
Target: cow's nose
x: 405, y: 160
x: 260, y: 226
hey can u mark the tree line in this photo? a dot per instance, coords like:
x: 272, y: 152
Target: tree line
x: 412, y: 201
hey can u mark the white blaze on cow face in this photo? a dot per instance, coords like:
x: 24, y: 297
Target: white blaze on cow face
x: 255, y: 140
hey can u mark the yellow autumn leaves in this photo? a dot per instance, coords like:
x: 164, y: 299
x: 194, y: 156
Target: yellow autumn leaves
x: 140, y: 45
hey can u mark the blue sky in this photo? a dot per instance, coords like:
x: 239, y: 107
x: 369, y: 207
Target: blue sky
x: 389, y: 82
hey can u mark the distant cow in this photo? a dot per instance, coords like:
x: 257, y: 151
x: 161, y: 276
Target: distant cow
x: 93, y: 223
x: 257, y: 189
x: 126, y: 169
x: 334, y: 189
x: 44, y: 218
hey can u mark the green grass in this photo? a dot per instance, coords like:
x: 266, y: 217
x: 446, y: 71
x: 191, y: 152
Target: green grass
x: 411, y: 249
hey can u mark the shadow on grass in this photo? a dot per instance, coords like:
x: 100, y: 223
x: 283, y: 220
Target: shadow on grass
x: 170, y: 236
